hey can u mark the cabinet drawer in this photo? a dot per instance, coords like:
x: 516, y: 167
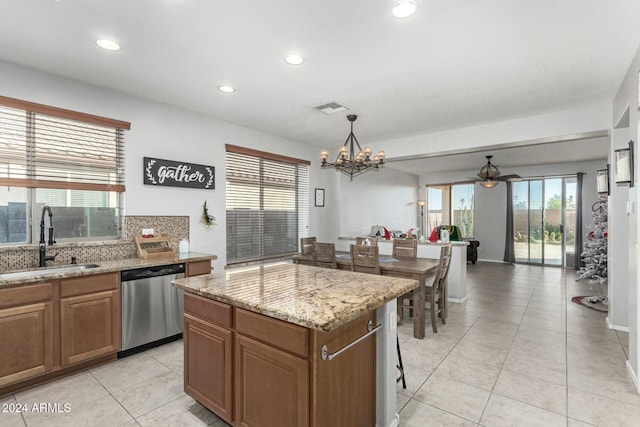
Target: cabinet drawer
x: 289, y: 337
x: 25, y: 294
x: 207, y: 309
x: 89, y: 284
x: 198, y: 267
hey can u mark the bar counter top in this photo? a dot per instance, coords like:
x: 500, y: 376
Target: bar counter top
x: 56, y: 272
x: 312, y: 297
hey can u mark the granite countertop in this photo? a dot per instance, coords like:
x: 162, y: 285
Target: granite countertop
x: 313, y: 297
x: 38, y: 276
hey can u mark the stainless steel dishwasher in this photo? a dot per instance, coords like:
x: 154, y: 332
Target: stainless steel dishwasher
x: 152, y: 309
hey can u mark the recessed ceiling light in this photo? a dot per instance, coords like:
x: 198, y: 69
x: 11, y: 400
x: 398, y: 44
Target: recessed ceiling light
x: 293, y: 59
x: 108, y: 44
x: 226, y: 89
x: 403, y: 9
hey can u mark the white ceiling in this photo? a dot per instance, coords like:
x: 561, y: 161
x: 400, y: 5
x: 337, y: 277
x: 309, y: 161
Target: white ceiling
x: 454, y: 63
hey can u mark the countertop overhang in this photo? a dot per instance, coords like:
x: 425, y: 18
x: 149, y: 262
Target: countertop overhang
x: 103, y: 267
x: 313, y: 297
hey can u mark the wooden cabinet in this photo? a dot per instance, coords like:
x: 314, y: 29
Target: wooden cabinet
x: 271, y: 371
x: 254, y: 370
x: 347, y: 383
x: 89, y: 317
x: 26, y: 332
x: 208, y: 360
x: 272, y: 386
x: 197, y: 268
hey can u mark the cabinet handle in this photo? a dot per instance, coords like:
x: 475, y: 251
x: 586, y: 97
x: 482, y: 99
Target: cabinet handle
x: 330, y: 356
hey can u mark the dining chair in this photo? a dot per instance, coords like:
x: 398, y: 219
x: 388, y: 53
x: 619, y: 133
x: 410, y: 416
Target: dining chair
x: 405, y: 247
x: 306, y: 245
x: 365, y: 259
x: 324, y: 255
x: 373, y: 241
x: 435, y: 293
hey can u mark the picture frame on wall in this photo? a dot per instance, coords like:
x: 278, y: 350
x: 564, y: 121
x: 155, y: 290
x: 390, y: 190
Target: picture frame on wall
x: 319, y: 197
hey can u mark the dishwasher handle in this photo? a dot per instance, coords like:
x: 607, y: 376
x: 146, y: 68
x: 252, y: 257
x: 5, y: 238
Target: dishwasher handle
x: 145, y: 273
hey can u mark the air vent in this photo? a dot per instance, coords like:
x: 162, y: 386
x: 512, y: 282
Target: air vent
x: 331, y: 108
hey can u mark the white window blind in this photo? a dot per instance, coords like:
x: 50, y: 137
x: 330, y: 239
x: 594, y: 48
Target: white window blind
x: 267, y: 204
x: 70, y: 161
x: 47, y: 147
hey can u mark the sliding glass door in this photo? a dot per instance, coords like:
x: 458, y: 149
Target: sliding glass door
x: 544, y: 220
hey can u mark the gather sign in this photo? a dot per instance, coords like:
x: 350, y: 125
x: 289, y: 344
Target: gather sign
x: 178, y: 174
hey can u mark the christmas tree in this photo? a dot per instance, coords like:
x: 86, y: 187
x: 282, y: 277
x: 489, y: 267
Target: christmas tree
x: 594, y: 255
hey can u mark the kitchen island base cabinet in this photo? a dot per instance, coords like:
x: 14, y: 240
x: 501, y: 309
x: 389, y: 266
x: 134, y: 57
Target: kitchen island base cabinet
x: 346, y: 385
x: 278, y: 375
x: 272, y: 386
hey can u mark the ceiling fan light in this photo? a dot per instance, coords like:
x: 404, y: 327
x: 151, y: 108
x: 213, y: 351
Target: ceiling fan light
x: 489, y: 183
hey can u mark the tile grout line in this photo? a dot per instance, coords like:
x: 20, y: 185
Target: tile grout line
x: 509, y: 351
x: 431, y: 374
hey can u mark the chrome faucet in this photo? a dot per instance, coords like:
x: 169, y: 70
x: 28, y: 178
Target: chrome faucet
x: 43, y: 251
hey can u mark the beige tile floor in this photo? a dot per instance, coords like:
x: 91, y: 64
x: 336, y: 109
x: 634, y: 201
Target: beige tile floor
x: 517, y: 353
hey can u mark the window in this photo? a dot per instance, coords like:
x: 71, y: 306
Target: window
x: 450, y: 205
x: 267, y: 204
x: 70, y: 161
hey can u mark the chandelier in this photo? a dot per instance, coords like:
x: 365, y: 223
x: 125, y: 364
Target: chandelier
x: 352, y: 160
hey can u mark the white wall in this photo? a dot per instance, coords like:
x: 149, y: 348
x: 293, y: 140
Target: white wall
x: 490, y: 203
x: 385, y: 197
x: 490, y: 218
x: 163, y: 131
x: 618, y: 242
x: 627, y: 98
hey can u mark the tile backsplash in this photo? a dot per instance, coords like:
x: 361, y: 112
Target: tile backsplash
x: 26, y: 256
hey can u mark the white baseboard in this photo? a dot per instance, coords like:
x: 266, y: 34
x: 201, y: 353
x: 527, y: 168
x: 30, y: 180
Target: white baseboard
x: 492, y: 260
x: 457, y: 300
x: 633, y: 376
x: 616, y: 327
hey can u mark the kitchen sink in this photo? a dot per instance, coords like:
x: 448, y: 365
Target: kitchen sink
x: 46, y: 271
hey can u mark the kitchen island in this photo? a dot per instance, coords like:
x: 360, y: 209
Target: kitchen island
x: 293, y: 345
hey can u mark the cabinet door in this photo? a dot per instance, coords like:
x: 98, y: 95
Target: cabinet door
x: 208, y: 365
x: 89, y: 326
x: 27, y: 337
x: 272, y: 386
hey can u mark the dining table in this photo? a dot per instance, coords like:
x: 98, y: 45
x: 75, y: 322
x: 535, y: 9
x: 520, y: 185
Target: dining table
x: 419, y: 269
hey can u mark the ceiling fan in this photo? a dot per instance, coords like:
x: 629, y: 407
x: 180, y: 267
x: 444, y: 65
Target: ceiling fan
x: 490, y: 175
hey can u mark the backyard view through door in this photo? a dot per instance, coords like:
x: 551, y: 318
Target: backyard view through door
x: 544, y: 212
